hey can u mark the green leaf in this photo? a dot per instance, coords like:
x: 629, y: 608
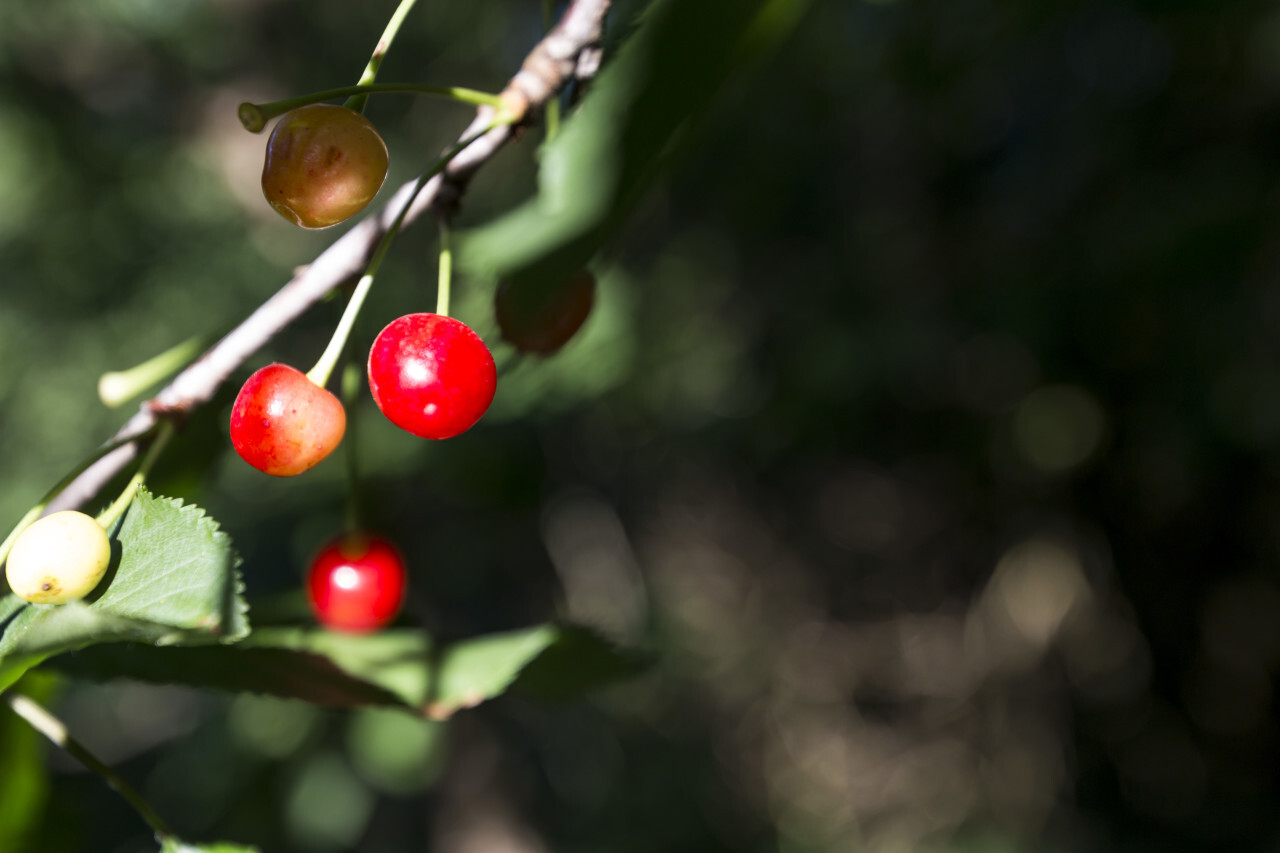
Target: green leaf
x: 269, y: 671
x: 579, y: 660
x: 177, y: 845
x: 661, y: 83
x: 436, y: 682
x: 173, y: 580
x: 398, y: 667
x: 479, y: 669
x: 398, y: 661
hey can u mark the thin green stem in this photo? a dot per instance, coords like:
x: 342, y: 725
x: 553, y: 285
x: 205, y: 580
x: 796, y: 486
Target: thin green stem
x: 35, y: 511
x: 552, y: 109
x: 254, y: 117
x: 350, y: 397
x: 552, y: 113
x: 111, y: 514
x: 356, y: 102
x: 324, y: 367
x: 446, y: 271
x: 120, y: 386
x: 55, y: 730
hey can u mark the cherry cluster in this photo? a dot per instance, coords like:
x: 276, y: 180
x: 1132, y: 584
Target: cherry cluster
x: 428, y: 373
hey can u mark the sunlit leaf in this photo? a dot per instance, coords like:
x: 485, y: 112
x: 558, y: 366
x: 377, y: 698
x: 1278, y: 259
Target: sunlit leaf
x: 173, y: 581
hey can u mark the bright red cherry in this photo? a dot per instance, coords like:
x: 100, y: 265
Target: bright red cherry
x: 282, y: 423
x: 357, y: 583
x: 543, y: 320
x: 324, y: 164
x: 431, y: 375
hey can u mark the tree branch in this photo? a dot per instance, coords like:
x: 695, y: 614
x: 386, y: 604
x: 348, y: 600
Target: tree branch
x: 545, y: 71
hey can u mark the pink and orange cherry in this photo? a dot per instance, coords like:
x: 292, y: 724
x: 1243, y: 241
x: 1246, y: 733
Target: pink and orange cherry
x: 282, y: 423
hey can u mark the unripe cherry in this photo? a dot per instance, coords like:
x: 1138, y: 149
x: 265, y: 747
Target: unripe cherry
x: 59, y: 558
x: 431, y: 375
x: 282, y: 423
x: 324, y: 164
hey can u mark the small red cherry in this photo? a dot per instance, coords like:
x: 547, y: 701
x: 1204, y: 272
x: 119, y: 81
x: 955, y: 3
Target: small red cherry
x: 543, y: 320
x: 357, y: 583
x: 324, y: 164
x: 282, y: 423
x: 431, y: 375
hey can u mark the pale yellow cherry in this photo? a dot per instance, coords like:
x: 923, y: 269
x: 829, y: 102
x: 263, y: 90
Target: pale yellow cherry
x: 60, y: 558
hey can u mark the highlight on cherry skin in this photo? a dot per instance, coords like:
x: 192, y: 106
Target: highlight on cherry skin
x: 282, y: 423
x: 324, y: 164
x: 431, y: 375
x: 59, y: 558
x: 357, y: 583
x: 541, y: 322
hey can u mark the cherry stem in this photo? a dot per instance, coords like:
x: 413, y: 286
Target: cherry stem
x: 446, y: 271
x: 552, y: 110
x: 36, y: 511
x: 111, y: 514
x: 120, y: 386
x: 43, y: 721
x: 357, y: 102
x: 254, y: 117
x: 324, y: 367
x: 350, y: 395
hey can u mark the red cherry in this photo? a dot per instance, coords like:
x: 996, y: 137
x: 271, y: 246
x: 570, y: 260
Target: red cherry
x: 357, y: 583
x: 431, y: 375
x: 543, y: 320
x: 282, y: 423
x: 324, y: 164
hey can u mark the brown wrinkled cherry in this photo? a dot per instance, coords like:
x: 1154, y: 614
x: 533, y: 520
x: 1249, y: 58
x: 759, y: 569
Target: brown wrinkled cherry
x: 324, y: 164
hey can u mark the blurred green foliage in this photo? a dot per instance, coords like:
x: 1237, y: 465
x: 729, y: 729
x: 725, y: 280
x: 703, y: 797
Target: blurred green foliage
x: 926, y: 429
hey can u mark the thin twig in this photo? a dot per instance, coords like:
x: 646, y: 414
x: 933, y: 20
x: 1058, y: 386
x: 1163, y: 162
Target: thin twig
x: 55, y: 730
x: 545, y: 71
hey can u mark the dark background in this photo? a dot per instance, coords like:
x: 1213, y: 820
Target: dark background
x: 925, y: 432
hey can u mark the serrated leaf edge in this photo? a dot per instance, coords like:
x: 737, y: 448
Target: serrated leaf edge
x: 237, y: 586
